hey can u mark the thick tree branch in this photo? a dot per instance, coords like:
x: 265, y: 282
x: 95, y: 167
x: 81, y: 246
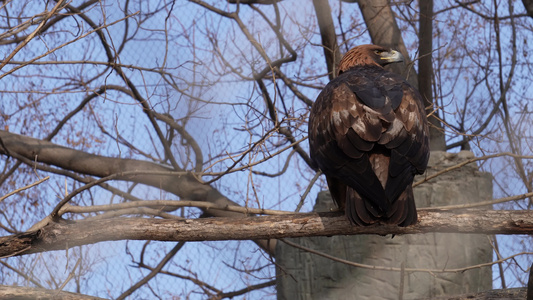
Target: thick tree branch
x: 63, y: 235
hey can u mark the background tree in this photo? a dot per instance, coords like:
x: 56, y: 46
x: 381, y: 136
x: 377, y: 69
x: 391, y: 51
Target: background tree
x: 204, y: 104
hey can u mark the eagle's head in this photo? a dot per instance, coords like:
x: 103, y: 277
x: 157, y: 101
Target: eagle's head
x: 369, y: 55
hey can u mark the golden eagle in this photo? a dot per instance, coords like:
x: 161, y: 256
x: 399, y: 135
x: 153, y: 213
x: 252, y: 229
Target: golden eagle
x: 368, y: 134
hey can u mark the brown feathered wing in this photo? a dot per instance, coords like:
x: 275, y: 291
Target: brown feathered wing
x: 368, y: 134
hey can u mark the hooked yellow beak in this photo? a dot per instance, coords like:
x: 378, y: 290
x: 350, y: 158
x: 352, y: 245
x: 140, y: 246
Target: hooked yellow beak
x: 392, y: 56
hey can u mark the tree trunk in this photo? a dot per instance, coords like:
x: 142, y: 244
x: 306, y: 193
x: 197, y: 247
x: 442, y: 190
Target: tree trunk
x: 425, y: 74
x: 329, y: 38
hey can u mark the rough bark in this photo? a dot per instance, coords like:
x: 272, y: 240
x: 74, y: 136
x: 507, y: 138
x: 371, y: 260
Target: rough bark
x: 63, y: 235
x: 19, y: 293
x: 184, y: 185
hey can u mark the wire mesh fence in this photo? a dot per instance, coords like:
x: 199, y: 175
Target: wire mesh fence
x: 105, y: 78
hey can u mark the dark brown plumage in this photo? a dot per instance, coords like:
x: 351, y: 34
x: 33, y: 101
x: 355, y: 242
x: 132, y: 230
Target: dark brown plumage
x: 368, y: 134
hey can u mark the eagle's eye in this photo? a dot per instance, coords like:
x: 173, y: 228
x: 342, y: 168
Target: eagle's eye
x: 378, y: 52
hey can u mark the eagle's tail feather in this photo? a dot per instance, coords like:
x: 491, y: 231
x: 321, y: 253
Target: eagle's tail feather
x: 360, y: 211
x: 403, y: 212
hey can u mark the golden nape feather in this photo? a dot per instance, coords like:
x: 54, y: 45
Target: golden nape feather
x: 368, y: 134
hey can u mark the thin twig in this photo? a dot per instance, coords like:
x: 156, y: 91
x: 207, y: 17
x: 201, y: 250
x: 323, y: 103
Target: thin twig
x: 466, y: 162
x: 70, y: 276
x: 307, y: 190
x: 154, y: 272
x: 24, y: 275
x: 65, y: 200
x: 24, y: 188
x: 37, y: 30
x: 482, y: 203
x: 169, y: 203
